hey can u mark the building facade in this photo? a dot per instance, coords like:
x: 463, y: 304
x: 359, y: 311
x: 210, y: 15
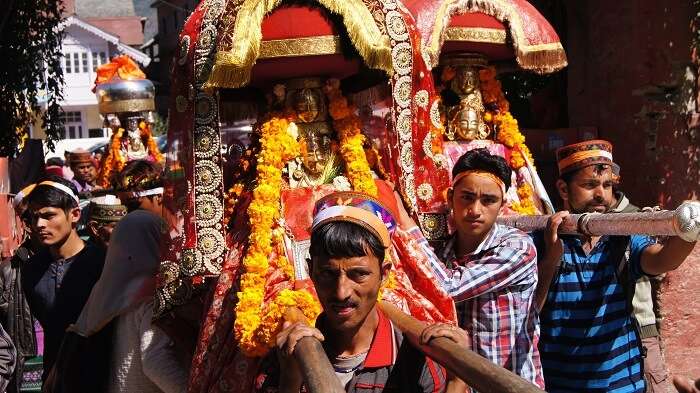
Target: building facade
x: 85, y: 47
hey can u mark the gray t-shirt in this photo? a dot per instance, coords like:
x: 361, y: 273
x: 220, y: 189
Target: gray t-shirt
x: 345, y: 367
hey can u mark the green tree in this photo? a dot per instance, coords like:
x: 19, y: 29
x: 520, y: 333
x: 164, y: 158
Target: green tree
x: 30, y: 70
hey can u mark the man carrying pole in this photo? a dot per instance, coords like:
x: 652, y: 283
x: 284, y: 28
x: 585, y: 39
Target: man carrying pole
x: 349, y: 236
x: 489, y: 269
x: 590, y: 340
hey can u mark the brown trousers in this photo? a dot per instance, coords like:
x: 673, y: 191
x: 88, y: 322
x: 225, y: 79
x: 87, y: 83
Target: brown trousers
x: 655, y: 372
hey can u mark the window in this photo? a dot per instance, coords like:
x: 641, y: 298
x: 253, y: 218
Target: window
x: 67, y: 68
x: 84, y: 61
x: 98, y: 59
x: 96, y: 133
x: 76, y: 62
x: 74, y: 132
x: 71, y: 117
x: 73, y: 125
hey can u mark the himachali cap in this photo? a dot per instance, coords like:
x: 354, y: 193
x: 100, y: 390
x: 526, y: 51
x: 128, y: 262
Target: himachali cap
x: 79, y: 156
x: 580, y: 155
x: 357, y: 208
x: 107, y: 208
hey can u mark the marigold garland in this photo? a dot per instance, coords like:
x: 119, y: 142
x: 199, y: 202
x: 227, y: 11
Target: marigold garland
x: 114, y: 161
x: 257, y: 324
x: 526, y: 205
x: 230, y: 201
x: 255, y: 327
x: 348, y: 125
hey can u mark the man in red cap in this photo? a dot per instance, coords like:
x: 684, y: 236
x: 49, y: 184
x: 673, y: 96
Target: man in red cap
x: 589, y: 338
x: 84, y: 167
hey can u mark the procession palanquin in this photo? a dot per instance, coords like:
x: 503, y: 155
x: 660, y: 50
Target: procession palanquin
x: 337, y: 95
x: 463, y: 42
x: 286, y: 70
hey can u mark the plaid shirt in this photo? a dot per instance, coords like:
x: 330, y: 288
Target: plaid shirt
x: 494, y: 289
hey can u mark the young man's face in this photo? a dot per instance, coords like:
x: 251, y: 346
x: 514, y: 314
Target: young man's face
x: 84, y: 172
x: 475, y: 202
x: 589, y: 190
x: 348, y: 288
x: 52, y: 225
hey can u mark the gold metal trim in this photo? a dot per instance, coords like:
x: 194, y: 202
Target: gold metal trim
x: 554, y: 46
x: 476, y: 34
x: 133, y: 105
x: 305, y: 46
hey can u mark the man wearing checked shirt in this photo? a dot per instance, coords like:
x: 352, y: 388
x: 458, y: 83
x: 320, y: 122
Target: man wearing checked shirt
x: 489, y: 269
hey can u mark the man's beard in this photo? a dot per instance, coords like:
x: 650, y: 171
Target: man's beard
x: 591, y: 206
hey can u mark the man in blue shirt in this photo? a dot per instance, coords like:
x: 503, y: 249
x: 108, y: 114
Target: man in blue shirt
x: 589, y: 338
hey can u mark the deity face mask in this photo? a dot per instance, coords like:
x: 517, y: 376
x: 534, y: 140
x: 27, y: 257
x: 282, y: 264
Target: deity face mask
x: 307, y: 104
x: 468, y: 123
x: 317, y: 153
x: 466, y: 80
x: 466, y: 120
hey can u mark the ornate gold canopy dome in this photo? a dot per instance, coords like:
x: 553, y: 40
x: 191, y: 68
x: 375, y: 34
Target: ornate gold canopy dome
x: 498, y: 29
x: 266, y: 40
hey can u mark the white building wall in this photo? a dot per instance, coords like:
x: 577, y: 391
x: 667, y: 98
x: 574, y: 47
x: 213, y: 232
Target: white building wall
x: 82, y: 53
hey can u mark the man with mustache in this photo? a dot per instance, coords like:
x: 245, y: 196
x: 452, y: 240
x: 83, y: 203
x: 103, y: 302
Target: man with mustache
x: 349, y: 238
x: 58, y: 279
x: 590, y: 339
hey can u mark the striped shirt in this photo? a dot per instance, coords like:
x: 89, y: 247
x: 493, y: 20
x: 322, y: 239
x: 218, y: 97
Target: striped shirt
x: 588, y: 341
x: 494, y: 289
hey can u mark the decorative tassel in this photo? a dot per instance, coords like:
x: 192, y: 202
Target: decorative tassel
x: 546, y: 58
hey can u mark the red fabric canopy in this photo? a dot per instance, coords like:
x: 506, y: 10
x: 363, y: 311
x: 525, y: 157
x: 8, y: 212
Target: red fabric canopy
x: 290, y: 28
x: 296, y: 21
x: 499, y: 29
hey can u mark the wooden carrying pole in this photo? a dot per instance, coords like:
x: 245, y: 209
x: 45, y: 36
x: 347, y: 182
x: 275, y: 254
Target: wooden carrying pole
x: 313, y: 362
x: 657, y: 223
x: 478, y: 372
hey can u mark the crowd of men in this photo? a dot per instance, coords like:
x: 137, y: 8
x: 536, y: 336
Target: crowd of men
x: 568, y: 313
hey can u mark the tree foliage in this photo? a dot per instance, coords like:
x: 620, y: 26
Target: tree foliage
x: 31, y: 78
